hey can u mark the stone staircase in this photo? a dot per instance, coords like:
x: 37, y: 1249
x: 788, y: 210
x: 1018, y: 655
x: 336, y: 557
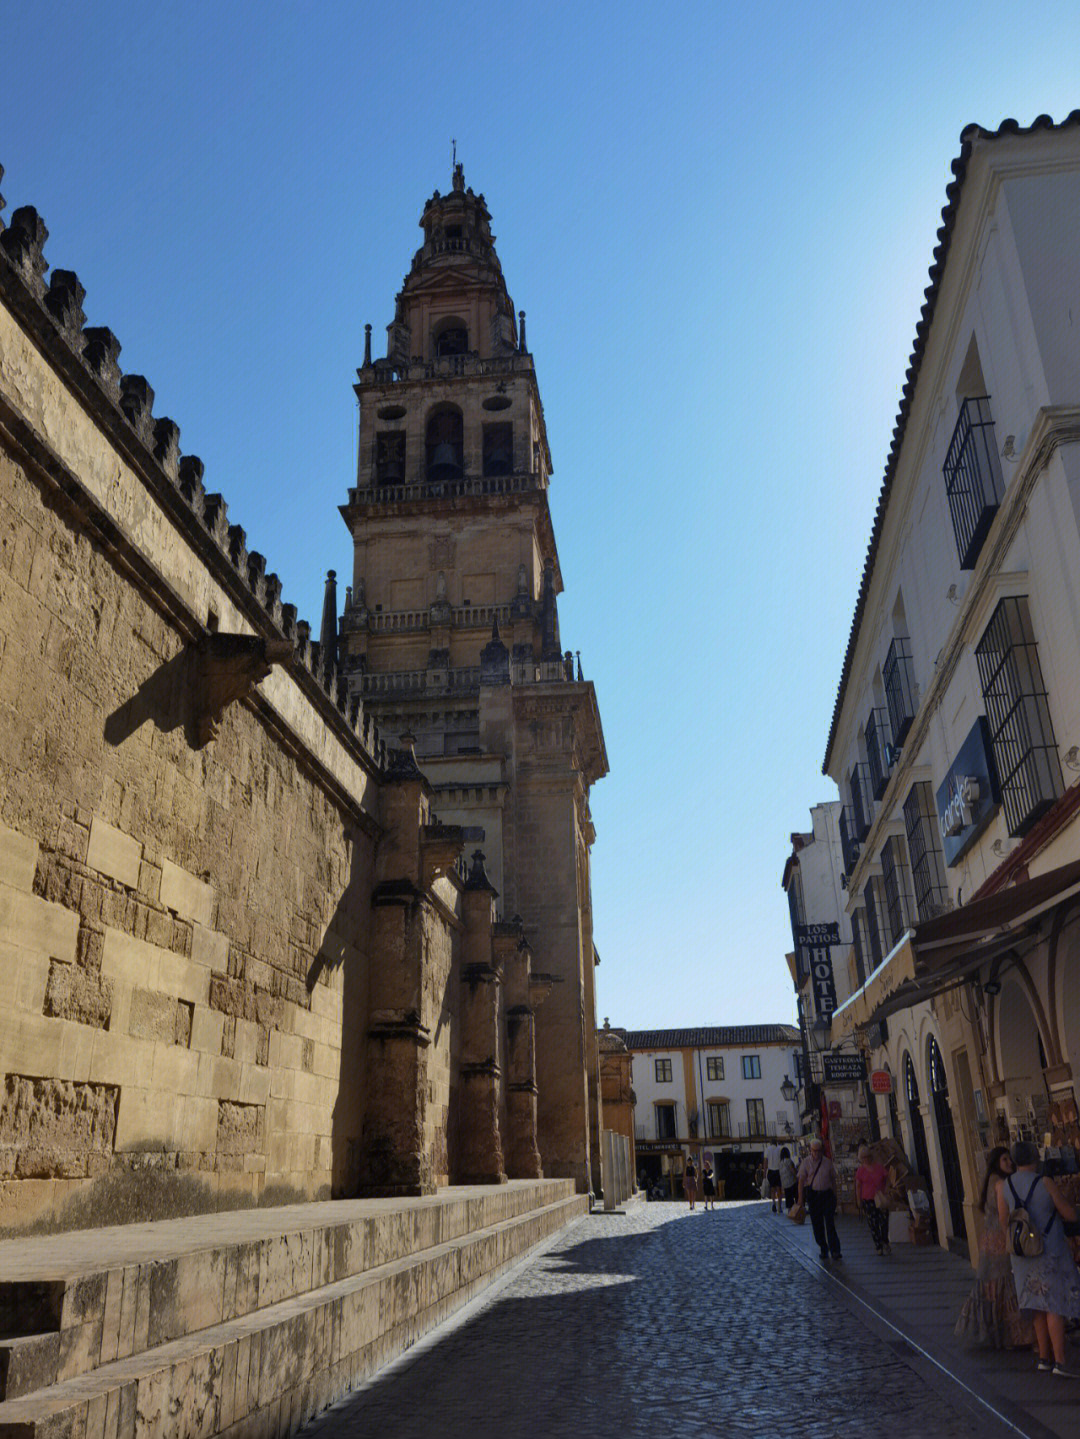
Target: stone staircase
x: 246, y: 1323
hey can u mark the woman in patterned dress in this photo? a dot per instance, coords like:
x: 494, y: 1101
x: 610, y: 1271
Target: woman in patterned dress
x: 991, y: 1315
x: 1049, y: 1283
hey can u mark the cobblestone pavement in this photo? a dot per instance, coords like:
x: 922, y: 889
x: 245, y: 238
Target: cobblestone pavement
x: 658, y: 1322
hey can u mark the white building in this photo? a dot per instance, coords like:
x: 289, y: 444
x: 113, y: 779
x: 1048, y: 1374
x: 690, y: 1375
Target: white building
x: 954, y: 741
x: 715, y: 1091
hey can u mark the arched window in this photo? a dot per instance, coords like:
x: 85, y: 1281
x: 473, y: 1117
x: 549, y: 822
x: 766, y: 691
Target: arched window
x: 445, y: 443
x: 451, y: 338
x: 499, y: 449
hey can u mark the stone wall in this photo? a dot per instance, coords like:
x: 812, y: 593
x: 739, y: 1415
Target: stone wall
x: 184, y: 926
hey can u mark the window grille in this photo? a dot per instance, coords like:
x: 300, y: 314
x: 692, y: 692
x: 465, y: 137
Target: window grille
x: 924, y: 846
x: 897, y: 894
x: 719, y: 1121
x: 873, y: 922
x: 858, y: 919
x: 1021, y: 732
x: 876, y: 735
x: 849, y: 845
x: 862, y: 805
x: 973, y: 481
x: 899, y: 682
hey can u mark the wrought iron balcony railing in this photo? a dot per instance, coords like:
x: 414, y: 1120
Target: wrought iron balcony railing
x: 877, y: 729
x: 862, y: 803
x: 849, y: 844
x: 899, y: 681
x: 973, y: 480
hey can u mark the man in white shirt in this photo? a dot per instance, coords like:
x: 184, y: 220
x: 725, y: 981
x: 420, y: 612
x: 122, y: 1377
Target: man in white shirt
x: 772, y: 1175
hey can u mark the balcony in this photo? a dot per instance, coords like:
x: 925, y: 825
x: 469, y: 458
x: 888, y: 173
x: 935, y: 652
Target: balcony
x: 862, y: 803
x: 849, y: 845
x: 463, y: 486
x: 384, y: 372
x: 899, y: 682
x: 973, y: 481
x: 877, y: 728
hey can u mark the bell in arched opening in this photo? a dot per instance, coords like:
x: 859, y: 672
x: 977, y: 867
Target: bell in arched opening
x: 445, y: 444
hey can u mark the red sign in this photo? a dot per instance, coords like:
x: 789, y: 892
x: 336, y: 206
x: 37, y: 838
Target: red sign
x: 881, y: 1082
x: 834, y: 1109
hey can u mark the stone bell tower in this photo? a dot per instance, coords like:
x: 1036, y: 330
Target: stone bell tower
x: 451, y: 634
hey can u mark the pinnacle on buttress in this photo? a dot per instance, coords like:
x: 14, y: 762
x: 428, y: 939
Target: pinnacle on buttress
x: 328, y: 627
x: 477, y: 877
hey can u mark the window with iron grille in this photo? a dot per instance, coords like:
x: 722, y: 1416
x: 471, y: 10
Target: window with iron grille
x: 858, y: 919
x: 924, y: 846
x: 862, y: 806
x: 873, y: 922
x: 849, y: 845
x: 714, y: 1068
x: 1022, y: 735
x: 973, y: 481
x: 663, y: 1071
x: 899, y: 681
x: 897, y: 891
x: 719, y: 1120
x: 876, y: 736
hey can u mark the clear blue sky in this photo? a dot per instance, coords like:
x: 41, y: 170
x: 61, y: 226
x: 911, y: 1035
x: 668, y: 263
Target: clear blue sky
x: 719, y: 218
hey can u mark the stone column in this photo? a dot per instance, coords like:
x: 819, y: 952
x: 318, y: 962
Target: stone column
x: 480, y: 1143
x: 405, y: 997
x: 522, y: 1152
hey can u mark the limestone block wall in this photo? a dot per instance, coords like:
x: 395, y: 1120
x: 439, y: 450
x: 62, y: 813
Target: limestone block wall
x: 183, y: 927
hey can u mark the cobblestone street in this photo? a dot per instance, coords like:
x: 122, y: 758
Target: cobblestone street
x: 658, y: 1321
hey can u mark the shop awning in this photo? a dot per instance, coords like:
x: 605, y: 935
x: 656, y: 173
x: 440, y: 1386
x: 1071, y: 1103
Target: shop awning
x: 939, y: 953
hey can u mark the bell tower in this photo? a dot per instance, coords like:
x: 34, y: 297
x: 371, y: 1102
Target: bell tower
x: 451, y: 635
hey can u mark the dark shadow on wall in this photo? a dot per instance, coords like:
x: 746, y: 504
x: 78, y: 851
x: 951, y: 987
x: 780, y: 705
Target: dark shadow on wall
x: 165, y: 699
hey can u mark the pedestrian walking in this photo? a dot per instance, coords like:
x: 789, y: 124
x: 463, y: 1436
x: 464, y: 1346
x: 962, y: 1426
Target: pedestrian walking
x: 990, y: 1315
x: 772, y: 1175
x: 1047, y: 1284
x: 870, y: 1181
x: 789, y: 1179
x: 817, y: 1189
x: 690, y: 1181
x: 708, y: 1185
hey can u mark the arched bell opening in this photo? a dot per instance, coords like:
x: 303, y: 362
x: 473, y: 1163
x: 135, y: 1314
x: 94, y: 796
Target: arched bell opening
x: 445, y: 443
x: 451, y: 337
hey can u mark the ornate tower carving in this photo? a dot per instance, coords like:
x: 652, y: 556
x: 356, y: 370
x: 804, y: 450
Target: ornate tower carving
x: 453, y: 635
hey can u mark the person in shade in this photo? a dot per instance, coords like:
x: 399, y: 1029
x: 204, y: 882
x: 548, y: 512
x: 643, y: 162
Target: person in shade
x: 817, y: 1190
x: 870, y: 1181
x: 1047, y: 1285
x: 708, y: 1185
x: 789, y: 1179
x: 772, y: 1175
x: 990, y: 1315
x: 690, y: 1181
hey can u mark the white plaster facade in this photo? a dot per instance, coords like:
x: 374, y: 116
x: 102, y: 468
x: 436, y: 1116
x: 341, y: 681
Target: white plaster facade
x: 956, y: 625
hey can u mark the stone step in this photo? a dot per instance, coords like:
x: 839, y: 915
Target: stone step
x: 268, y: 1371
x: 115, y: 1292
x: 28, y: 1362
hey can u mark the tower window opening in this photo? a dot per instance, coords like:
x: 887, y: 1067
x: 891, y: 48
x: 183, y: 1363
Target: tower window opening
x: 390, y: 457
x: 453, y: 232
x: 445, y: 444
x: 452, y: 339
x: 499, y: 449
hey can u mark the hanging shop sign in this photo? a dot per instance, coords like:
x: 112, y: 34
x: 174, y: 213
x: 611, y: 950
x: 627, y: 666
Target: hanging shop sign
x: 844, y: 1068
x: 881, y: 1082
x: 814, y: 942
x: 968, y: 795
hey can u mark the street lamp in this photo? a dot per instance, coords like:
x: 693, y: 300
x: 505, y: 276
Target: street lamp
x: 818, y: 1031
x: 788, y: 1090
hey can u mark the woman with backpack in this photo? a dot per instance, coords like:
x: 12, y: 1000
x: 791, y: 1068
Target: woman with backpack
x: 1032, y: 1211
x: 990, y: 1315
